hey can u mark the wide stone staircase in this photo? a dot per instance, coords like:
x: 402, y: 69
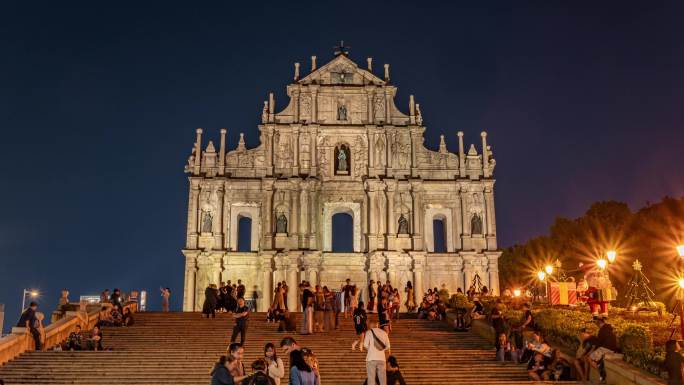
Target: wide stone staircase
x: 180, y: 348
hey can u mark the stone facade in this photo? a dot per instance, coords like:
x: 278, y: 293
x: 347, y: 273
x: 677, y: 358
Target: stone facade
x: 339, y: 146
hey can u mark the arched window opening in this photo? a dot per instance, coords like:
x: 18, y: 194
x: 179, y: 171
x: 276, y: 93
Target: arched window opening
x: 244, y: 234
x: 342, y: 233
x: 439, y: 234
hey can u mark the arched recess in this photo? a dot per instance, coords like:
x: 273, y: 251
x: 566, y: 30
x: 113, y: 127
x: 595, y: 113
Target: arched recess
x: 439, y: 235
x: 245, y: 210
x: 332, y: 208
x: 445, y: 215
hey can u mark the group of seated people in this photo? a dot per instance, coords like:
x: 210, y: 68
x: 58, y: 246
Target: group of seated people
x: 543, y: 362
x: 112, y: 316
x: 432, y: 307
x: 78, y: 340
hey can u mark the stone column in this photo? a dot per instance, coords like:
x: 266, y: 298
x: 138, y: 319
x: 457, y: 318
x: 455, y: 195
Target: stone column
x: 464, y: 211
x: 417, y: 195
x: 391, y: 218
x: 485, y: 155
x: 266, y: 281
x: 295, y: 160
x: 370, y: 104
x: 313, y: 218
x: 314, y: 104
x: 227, y: 197
x: 292, y: 283
x: 193, y: 211
x: 189, y: 289
x: 222, y: 154
x: 493, y: 270
x: 304, y: 215
x: 489, y: 207
x: 295, y: 101
x: 217, y: 224
x: 293, y: 227
x: 418, y: 272
x: 461, y: 155
x: 198, y: 151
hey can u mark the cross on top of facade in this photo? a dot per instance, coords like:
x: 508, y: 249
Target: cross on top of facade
x: 341, y: 49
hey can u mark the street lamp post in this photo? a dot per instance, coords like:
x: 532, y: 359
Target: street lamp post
x: 542, y: 277
x: 27, y: 292
x: 680, y: 282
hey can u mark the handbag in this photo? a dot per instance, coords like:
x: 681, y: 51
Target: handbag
x: 379, y: 345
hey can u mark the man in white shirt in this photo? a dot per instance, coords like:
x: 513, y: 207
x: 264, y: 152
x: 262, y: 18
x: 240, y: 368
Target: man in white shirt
x: 377, y: 344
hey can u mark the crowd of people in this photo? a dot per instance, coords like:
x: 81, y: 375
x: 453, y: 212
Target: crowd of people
x: 524, y: 344
x: 224, y: 298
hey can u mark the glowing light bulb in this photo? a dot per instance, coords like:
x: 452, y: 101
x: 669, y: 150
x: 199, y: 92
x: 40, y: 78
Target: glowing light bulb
x: 681, y: 283
x: 602, y: 263
x: 516, y: 293
x: 680, y: 250
x: 611, y: 255
x: 548, y: 269
x: 541, y: 275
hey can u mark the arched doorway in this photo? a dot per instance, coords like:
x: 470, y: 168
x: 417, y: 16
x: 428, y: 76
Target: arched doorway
x: 342, y: 233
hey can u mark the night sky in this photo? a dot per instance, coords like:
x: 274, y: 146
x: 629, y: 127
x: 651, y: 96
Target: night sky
x: 98, y: 107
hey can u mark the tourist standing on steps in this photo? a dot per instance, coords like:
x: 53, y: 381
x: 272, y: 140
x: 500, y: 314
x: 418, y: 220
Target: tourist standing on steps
x: 347, y: 290
x: 319, y: 307
x: 241, y: 289
x: 241, y: 316
x: 360, y: 325
x: 410, y: 300
x: 165, y: 294
x: 307, y: 305
x: 276, y: 368
x: 372, y: 294
x: 210, y: 301
x: 28, y: 321
x: 338, y: 308
x: 378, y: 345
x: 328, y: 308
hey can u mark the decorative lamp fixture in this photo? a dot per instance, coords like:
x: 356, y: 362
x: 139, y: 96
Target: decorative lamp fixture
x: 602, y: 263
x: 541, y: 275
x: 548, y: 269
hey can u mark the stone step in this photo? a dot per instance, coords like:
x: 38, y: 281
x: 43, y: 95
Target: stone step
x: 180, y: 348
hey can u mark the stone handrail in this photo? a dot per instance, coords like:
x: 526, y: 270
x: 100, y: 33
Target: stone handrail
x: 21, y: 341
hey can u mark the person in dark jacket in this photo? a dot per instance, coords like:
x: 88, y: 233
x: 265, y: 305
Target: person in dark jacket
x: 674, y: 363
x: 28, y: 321
x: 258, y: 376
x: 220, y: 373
x: 210, y: 301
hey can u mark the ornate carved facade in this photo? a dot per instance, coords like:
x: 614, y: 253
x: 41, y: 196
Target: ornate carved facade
x: 339, y: 146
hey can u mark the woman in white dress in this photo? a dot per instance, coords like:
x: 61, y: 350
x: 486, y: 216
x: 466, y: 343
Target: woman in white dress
x: 276, y: 368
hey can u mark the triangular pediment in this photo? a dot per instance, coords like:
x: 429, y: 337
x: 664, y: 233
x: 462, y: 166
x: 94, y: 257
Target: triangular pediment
x: 342, y: 71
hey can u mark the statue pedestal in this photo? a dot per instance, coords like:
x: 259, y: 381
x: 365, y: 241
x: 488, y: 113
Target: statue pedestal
x: 403, y: 242
x: 206, y: 241
x: 282, y: 241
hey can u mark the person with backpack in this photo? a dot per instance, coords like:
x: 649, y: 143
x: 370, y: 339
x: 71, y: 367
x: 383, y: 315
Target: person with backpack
x: 377, y: 344
x: 360, y: 318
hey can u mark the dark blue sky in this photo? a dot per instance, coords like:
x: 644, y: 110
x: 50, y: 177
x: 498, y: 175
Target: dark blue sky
x: 98, y: 106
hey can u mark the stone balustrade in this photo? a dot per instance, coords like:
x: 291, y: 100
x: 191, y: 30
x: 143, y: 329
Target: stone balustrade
x: 20, y: 341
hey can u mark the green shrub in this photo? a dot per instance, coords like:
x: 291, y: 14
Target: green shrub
x: 459, y: 301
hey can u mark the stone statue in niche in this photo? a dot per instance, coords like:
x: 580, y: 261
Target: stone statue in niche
x: 379, y: 150
x: 342, y: 160
x: 281, y: 224
x: 403, y: 225
x: 341, y: 112
x: 476, y: 224
x: 206, y: 222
